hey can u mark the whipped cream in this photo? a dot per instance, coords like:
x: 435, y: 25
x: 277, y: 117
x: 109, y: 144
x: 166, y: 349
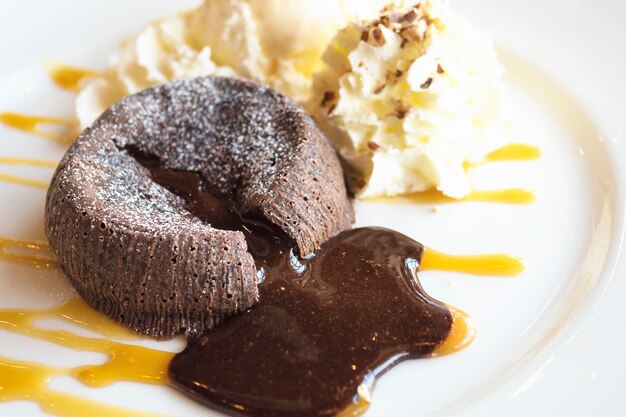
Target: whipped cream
x: 409, y: 97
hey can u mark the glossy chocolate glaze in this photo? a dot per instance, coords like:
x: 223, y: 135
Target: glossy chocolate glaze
x: 323, y: 326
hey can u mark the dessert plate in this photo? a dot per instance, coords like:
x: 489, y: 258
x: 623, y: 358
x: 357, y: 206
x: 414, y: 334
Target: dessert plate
x: 548, y: 342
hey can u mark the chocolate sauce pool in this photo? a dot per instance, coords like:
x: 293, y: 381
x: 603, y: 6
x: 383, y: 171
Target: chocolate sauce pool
x: 323, y: 326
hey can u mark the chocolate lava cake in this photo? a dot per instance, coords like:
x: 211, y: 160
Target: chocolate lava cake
x: 131, y: 248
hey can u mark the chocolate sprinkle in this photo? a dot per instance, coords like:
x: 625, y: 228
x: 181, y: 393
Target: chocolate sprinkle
x: 373, y: 145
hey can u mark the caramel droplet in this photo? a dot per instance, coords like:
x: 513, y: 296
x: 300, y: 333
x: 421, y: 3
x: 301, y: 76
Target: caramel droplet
x: 32, y: 124
x: 68, y: 77
x: 515, y: 152
x: 462, y: 333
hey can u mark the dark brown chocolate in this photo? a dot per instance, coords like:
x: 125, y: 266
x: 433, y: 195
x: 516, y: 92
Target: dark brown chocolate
x: 323, y: 325
x: 131, y: 248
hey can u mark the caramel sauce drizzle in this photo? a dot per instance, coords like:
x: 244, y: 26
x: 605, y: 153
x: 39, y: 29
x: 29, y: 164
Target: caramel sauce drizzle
x: 126, y: 362
x: 501, y: 265
x: 27, y: 252
x: 68, y: 77
x: 508, y: 153
x: 33, y: 125
x: 28, y: 381
x: 515, y: 152
x: 462, y: 333
x: 27, y: 182
x: 503, y: 196
x: 21, y: 380
x: 356, y: 409
x: 38, y: 163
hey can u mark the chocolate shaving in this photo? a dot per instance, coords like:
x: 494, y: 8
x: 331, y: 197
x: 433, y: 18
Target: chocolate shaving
x: 379, y: 89
x: 377, y: 35
x: 328, y: 97
x: 373, y: 145
x: 401, y: 111
x: 393, y: 76
x: 409, y: 17
x: 409, y: 34
x: 359, y: 182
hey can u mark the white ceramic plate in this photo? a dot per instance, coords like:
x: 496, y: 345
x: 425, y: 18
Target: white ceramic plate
x: 549, y: 342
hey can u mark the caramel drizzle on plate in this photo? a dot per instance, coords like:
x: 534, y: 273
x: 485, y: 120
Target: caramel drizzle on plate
x: 34, y: 125
x: 27, y: 252
x: 514, y: 152
x: 500, y: 265
x: 462, y: 333
x: 68, y: 77
x: 21, y: 380
x: 126, y: 362
x: 39, y: 163
x: 503, y: 196
x: 508, y: 153
x: 27, y: 381
x: 14, y: 179
x: 27, y: 182
x: 356, y: 409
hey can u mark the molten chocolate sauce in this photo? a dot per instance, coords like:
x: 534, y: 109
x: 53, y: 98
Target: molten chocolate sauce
x: 324, y: 325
